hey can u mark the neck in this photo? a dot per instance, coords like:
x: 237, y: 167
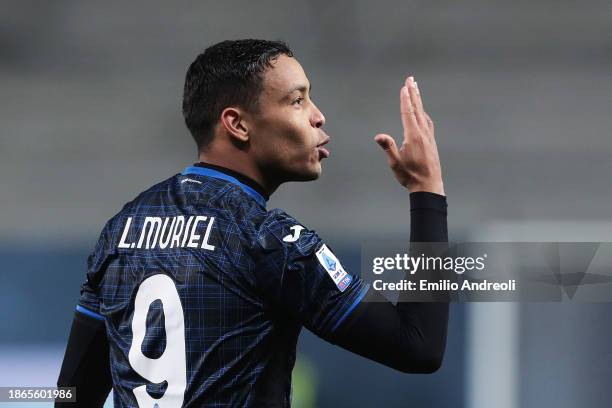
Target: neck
x: 243, y: 166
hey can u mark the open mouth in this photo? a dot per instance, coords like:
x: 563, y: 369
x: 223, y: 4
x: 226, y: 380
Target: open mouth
x: 323, y: 152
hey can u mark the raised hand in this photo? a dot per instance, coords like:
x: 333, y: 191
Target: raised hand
x: 416, y: 164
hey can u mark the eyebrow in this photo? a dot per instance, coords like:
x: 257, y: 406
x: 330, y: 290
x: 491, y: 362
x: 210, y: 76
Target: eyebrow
x: 301, y: 88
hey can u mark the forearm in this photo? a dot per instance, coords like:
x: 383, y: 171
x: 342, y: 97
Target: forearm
x: 428, y: 224
x: 410, y: 336
x: 428, y: 238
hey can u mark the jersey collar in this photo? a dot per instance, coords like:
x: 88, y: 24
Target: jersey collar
x: 247, y: 184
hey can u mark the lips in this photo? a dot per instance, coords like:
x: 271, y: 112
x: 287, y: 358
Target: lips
x: 323, y: 152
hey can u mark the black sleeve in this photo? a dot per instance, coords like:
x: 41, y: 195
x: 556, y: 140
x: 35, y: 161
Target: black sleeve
x: 409, y: 336
x: 86, y: 363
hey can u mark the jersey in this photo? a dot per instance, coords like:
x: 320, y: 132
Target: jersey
x: 204, y: 292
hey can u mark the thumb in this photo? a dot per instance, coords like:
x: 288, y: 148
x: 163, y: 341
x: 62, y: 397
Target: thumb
x: 387, y: 143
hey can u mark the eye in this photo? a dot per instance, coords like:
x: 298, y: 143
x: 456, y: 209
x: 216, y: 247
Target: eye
x: 298, y: 101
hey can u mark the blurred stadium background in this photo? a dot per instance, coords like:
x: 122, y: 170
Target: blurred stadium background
x: 521, y: 94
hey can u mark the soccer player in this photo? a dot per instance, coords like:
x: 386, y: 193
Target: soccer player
x: 195, y: 293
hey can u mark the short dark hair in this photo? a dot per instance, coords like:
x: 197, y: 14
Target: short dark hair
x: 225, y: 74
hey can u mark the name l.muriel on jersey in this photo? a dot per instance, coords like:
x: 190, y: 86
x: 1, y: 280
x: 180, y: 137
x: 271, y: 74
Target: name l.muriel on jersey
x: 180, y: 234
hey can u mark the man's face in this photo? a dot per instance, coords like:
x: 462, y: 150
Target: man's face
x: 286, y: 135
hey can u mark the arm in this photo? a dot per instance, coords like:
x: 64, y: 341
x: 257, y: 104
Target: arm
x: 410, y: 337
x: 86, y: 362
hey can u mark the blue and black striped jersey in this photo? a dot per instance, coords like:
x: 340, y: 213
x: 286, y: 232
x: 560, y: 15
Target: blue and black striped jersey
x: 204, y: 292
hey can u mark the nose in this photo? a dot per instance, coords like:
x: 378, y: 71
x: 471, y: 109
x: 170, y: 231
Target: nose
x: 317, y: 119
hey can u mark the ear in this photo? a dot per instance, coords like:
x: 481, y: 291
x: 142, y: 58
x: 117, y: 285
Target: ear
x: 233, y: 120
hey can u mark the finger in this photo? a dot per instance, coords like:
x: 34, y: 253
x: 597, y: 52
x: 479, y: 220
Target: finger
x: 430, y: 123
x: 417, y: 102
x: 388, y: 145
x: 408, y: 115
